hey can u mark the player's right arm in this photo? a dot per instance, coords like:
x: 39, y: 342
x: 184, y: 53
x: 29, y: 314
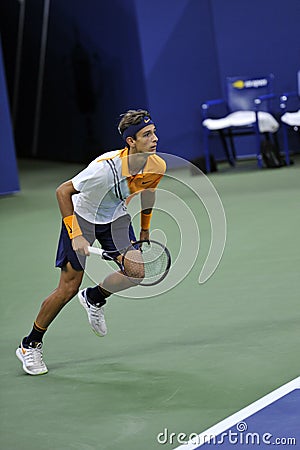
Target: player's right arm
x: 64, y: 195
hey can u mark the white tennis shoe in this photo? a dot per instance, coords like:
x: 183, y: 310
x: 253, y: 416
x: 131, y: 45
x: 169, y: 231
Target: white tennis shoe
x: 95, y: 314
x: 32, y: 359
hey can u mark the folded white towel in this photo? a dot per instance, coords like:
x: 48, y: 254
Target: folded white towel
x: 266, y: 121
x: 291, y: 118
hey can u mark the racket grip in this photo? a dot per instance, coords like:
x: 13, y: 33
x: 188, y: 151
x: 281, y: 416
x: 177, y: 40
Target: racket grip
x: 96, y: 251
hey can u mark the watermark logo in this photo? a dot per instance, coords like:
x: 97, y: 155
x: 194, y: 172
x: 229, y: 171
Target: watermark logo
x: 239, y: 435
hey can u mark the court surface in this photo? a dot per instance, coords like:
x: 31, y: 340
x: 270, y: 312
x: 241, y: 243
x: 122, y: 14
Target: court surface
x: 184, y: 360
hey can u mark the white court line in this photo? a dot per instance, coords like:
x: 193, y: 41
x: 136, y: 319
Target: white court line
x: 225, y: 424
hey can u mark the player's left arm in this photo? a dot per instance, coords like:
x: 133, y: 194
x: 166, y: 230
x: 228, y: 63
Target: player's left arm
x: 148, y: 198
x: 147, y: 203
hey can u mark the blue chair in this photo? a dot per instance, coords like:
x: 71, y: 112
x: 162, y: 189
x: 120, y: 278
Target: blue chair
x: 290, y: 119
x: 247, y: 111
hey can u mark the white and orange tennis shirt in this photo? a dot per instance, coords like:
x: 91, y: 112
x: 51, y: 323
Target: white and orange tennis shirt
x: 106, y: 185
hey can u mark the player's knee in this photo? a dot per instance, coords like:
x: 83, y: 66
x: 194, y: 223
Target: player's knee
x: 68, y: 290
x: 134, y: 266
x: 72, y: 288
x: 136, y: 271
x: 69, y: 284
x: 71, y: 291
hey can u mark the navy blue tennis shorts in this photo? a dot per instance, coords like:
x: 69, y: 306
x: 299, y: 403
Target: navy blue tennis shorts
x: 113, y: 237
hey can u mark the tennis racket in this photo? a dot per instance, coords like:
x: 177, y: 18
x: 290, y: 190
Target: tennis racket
x: 150, y: 260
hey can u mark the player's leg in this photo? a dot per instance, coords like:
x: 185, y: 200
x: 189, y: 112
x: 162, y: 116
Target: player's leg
x: 68, y: 287
x: 134, y: 268
x: 30, y: 351
x: 122, y: 235
x: 112, y: 237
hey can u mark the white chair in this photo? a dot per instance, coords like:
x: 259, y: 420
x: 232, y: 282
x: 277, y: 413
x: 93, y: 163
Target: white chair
x: 247, y: 112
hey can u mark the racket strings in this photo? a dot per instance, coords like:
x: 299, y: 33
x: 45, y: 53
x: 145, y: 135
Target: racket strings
x: 153, y: 262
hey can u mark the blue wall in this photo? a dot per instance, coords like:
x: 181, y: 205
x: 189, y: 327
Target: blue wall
x: 9, y: 179
x: 166, y: 55
x: 255, y: 38
x: 258, y: 37
x: 180, y: 67
x: 190, y: 46
x: 99, y: 50
x: 93, y: 53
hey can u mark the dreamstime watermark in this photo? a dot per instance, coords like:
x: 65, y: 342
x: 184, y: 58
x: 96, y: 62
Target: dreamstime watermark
x: 239, y: 436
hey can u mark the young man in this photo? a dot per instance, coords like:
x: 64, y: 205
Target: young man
x: 93, y: 206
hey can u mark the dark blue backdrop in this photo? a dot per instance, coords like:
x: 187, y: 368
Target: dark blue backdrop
x: 9, y: 180
x: 104, y: 57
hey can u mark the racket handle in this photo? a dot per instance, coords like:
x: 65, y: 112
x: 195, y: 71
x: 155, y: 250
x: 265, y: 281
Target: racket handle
x: 96, y: 251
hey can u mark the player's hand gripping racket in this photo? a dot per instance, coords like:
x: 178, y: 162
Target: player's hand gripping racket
x: 146, y: 263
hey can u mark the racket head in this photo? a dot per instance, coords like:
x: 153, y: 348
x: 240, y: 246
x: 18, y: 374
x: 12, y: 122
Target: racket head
x: 150, y: 265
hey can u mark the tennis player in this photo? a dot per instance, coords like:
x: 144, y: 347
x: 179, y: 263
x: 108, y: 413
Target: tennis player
x: 93, y: 205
